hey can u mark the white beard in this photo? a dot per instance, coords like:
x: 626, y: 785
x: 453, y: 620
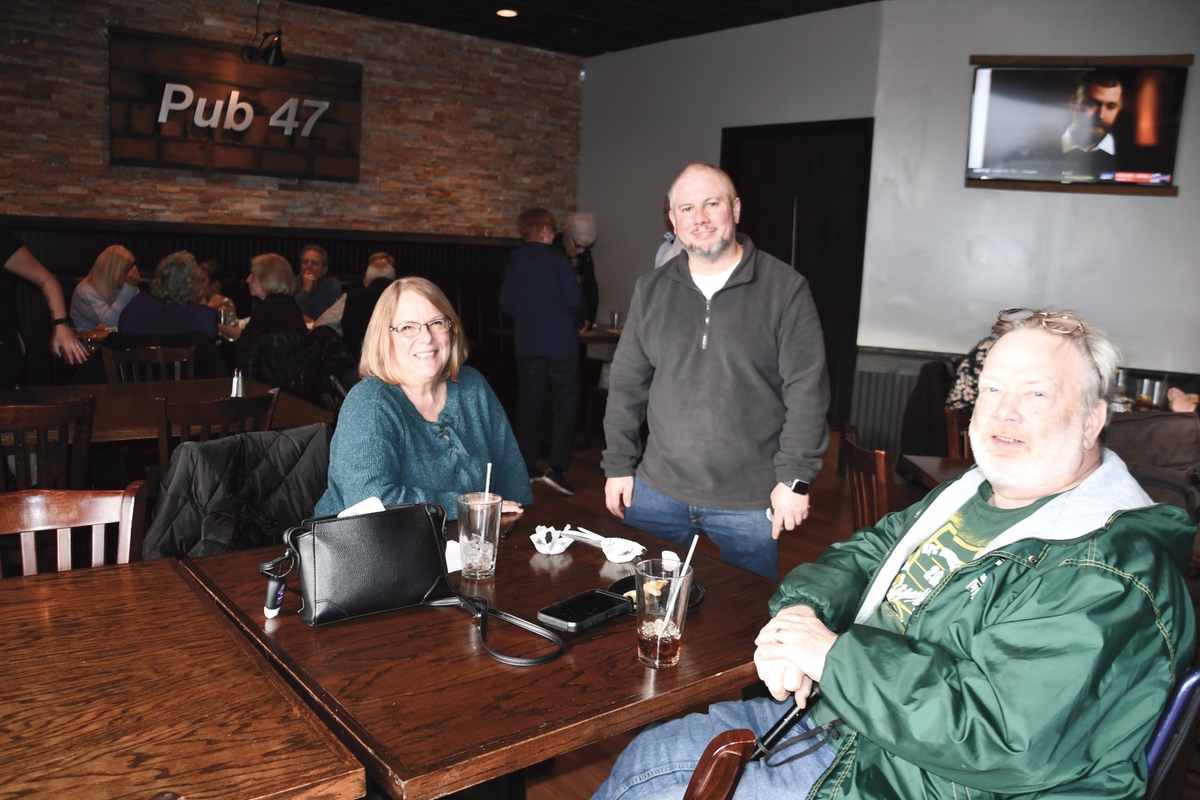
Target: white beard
x: 1049, y: 463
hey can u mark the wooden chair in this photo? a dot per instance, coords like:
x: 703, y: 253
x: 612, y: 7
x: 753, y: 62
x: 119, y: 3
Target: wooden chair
x: 870, y: 480
x: 23, y: 514
x: 721, y: 766
x: 958, y: 434
x: 144, y: 364
x: 48, y: 444
x: 210, y: 419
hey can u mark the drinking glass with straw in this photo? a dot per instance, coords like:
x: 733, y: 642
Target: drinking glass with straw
x: 660, y: 614
x: 479, y: 530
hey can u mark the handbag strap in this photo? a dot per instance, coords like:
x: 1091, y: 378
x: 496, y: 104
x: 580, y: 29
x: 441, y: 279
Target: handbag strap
x: 481, y: 609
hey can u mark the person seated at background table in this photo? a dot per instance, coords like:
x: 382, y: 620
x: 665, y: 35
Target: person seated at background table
x: 1016, y: 633
x: 100, y: 298
x: 1184, y: 398
x: 272, y: 283
x: 318, y: 289
x: 358, y: 304
x: 966, y: 378
x: 540, y: 293
x: 211, y: 286
x: 19, y: 261
x: 174, y: 303
x: 420, y: 426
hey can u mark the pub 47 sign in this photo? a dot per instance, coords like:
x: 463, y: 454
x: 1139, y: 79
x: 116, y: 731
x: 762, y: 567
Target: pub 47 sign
x: 238, y: 114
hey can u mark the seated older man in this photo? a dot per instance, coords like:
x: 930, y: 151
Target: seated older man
x: 1015, y: 634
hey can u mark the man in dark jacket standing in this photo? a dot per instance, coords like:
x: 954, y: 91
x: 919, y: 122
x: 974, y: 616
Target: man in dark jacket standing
x: 541, y: 295
x: 1016, y: 634
x: 722, y: 354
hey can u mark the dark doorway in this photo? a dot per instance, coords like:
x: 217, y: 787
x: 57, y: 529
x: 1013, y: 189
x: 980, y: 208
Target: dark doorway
x: 804, y: 189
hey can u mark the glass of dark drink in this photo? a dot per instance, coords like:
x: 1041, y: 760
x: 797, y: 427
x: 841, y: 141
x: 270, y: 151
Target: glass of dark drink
x: 662, y: 597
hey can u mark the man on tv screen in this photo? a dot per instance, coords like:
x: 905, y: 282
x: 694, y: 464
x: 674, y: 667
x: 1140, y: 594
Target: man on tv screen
x: 1094, y: 109
x: 1087, y: 147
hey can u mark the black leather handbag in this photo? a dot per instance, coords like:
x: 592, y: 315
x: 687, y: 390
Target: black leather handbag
x: 370, y: 563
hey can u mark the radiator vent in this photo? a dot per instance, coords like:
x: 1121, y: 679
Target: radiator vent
x: 878, y: 408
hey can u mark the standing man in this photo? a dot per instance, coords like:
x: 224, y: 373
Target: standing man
x: 722, y: 355
x: 318, y: 289
x: 576, y: 240
x: 541, y: 295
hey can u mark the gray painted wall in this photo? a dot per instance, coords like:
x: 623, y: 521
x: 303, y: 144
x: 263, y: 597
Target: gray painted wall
x: 648, y: 112
x: 941, y: 259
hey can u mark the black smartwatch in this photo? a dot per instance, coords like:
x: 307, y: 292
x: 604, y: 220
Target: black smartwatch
x: 798, y: 486
x: 60, y: 321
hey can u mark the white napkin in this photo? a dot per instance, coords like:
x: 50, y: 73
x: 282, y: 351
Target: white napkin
x: 549, y: 541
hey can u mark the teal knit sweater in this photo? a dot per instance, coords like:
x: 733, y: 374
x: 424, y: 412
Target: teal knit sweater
x: 384, y: 448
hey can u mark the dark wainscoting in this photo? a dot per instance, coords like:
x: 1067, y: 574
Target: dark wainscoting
x: 468, y: 270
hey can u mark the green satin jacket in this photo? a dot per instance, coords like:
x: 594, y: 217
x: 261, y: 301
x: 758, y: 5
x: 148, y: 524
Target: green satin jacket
x: 1037, y: 670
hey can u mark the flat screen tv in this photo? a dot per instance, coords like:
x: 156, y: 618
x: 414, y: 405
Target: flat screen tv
x: 1095, y: 122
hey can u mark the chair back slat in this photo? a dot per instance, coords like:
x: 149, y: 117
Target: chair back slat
x: 210, y: 419
x: 23, y: 514
x: 48, y: 444
x: 870, y: 481
x: 147, y: 364
x: 28, y: 553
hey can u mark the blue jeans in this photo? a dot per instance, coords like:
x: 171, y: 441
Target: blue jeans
x: 660, y: 761
x: 743, y: 537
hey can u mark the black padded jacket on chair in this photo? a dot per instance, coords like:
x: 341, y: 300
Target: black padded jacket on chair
x: 238, y: 492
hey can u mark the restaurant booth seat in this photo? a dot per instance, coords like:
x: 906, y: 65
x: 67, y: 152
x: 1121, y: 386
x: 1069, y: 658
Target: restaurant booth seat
x: 237, y: 492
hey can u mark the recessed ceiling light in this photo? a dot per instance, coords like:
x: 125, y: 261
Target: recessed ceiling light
x: 506, y: 12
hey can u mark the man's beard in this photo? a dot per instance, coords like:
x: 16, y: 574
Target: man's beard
x: 1054, y: 460
x: 712, y: 251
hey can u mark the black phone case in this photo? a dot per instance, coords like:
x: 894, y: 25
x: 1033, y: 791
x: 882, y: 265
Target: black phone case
x: 584, y: 610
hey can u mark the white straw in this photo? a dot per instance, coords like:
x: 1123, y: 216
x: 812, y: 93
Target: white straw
x: 487, y: 484
x: 676, y: 584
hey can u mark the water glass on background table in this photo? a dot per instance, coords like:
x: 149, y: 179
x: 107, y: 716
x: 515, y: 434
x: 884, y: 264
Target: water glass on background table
x: 616, y: 320
x: 663, y: 588
x: 478, y: 533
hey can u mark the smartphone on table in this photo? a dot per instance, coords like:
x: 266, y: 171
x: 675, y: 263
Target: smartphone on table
x: 584, y: 611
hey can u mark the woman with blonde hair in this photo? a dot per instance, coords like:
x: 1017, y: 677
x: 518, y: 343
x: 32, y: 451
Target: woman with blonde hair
x: 421, y: 426
x: 175, y: 303
x: 100, y: 298
x: 272, y: 283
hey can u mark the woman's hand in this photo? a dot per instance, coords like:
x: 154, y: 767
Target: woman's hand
x: 511, y: 507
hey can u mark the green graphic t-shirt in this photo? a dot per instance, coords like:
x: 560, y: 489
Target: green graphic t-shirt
x: 960, y: 540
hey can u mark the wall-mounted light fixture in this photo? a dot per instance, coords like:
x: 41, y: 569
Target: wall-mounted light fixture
x: 269, y: 50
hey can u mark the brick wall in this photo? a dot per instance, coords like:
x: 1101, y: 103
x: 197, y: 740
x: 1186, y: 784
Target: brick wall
x: 459, y: 134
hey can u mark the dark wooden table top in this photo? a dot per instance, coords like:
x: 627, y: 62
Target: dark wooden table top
x: 127, y: 681
x: 933, y: 471
x: 126, y: 412
x: 428, y: 712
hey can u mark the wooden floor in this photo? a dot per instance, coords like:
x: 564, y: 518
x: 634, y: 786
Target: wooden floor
x: 577, y: 775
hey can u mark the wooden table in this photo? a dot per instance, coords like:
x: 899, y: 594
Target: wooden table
x: 428, y: 712
x: 933, y: 471
x: 125, y: 412
x: 127, y: 681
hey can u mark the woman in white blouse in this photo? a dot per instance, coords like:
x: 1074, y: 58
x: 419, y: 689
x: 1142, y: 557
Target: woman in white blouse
x: 103, y: 294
